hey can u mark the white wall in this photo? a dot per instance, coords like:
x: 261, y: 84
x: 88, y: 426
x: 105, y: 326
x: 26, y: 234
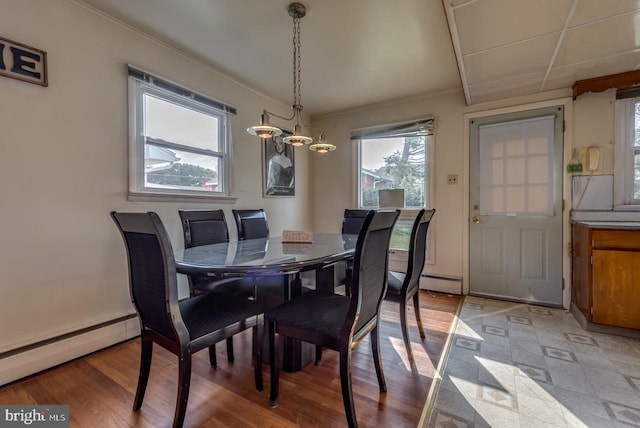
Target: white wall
x: 334, y: 186
x: 63, y: 167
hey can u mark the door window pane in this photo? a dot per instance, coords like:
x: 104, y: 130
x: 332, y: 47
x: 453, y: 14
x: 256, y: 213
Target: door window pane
x: 515, y: 163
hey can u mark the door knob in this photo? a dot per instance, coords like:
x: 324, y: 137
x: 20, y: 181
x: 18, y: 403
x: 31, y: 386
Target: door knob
x: 476, y: 219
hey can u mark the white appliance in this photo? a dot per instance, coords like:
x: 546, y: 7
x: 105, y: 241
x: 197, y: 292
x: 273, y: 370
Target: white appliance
x: 592, y: 193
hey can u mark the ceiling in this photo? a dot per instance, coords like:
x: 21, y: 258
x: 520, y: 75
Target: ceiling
x: 362, y: 52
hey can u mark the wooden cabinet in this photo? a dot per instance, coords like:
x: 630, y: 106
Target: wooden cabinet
x: 606, y: 275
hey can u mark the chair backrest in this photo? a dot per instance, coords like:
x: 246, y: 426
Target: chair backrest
x: 417, y: 249
x: 152, y: 273
x: 352, y: 221
x: 251, y: 224
x: 370, y: 266
x: 203, y: 227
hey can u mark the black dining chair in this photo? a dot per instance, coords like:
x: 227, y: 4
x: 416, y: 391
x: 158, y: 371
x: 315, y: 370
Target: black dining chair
x: 403, y: 287
x: 251, y: 223
x: 352, y: 221
x: 185, y: 326
x: 204, y: 227
x: 340, y: 322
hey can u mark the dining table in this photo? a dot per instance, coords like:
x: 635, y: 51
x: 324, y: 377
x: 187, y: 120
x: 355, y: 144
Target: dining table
x: 270, y: 259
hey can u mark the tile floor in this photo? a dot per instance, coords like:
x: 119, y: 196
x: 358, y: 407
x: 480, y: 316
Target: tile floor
x: 517, y: 365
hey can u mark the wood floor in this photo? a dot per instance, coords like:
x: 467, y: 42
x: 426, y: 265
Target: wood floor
x: 100, y: 387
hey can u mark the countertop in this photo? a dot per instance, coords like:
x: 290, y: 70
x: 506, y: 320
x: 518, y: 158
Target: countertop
x: 631, y: 225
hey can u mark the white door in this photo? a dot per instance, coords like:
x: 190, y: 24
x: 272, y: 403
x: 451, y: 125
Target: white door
x: 515, y: 191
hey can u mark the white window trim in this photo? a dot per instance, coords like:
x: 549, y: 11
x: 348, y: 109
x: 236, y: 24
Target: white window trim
x: 412, y: 211
x: 137, y: 191
x: 624, y: 156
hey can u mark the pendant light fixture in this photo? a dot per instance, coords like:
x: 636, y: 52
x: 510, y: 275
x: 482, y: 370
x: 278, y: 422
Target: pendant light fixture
x: 265, y: 130
x: 322, y: 146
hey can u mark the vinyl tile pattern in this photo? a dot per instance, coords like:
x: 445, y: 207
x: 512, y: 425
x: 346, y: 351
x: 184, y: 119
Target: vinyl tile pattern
x: 518, y: 365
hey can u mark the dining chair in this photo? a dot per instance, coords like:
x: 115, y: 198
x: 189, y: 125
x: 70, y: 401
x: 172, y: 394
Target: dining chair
x: 340, y: 322
x: 185, y: 326
x: 352, y: 221
x: 204, y: 227
x: 403, y: 287
x: 251, y: 223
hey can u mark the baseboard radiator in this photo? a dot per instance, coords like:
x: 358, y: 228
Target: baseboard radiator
x: 31, y: 359
x: 443, y: 283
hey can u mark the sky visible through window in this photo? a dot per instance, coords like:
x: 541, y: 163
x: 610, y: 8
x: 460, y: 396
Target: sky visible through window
x: 375, y: 150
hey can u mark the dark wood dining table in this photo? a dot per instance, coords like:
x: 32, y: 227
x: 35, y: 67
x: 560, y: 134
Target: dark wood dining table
x: 273, y: 258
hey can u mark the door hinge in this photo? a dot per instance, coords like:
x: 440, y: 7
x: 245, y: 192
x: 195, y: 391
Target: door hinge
x: 591, y: 310
x: 563, y: 283
x: 591, y: 259
x: 564, y: 125
x: 563, y: 205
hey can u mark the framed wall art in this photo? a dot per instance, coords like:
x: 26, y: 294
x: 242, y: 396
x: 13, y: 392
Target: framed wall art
x: 279, y: 172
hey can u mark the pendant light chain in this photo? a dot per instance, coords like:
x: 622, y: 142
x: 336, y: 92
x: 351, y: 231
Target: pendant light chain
x: 265, y: 130
x: 297, y: 84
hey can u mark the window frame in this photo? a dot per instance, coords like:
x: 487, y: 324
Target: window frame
x: 185, y: 98
x: 406, y: 213
x: 625, y: 151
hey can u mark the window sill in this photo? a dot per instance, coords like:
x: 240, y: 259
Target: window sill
x: 626, y: 208
x: 177, y: 197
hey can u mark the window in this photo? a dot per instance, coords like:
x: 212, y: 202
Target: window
x: 179, y: 140
x: 627, y: 151
x: 396, y: 157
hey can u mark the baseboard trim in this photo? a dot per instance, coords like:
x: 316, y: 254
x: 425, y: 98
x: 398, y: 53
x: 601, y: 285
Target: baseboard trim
x: 28, y: 360
x: 443, y: 283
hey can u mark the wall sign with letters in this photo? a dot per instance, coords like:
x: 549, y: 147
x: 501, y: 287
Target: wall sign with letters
x: 23, y: 62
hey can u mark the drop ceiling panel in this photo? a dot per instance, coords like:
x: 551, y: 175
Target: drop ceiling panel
x: 586, y: 70
x: 506, y: 88
x: 600, y: 40
x: 484, y: 24
x: 514, y: 59
x: 594, y: 10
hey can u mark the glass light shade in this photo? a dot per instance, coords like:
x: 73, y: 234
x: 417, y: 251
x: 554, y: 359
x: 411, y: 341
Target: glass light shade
x: 297, y: 139
x: 264, y: 130
x: 322, y: 146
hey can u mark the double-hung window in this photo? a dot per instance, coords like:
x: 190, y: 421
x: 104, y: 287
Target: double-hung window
x: 627, y: 150
x: 397, y: 156
x: 179, y: 140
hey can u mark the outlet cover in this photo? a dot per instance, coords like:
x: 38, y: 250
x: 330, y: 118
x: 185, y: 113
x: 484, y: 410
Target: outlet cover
x: 452, y: 179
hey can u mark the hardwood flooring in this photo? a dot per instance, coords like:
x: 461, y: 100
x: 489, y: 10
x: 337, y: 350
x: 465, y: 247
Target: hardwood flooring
x: 99, y: 388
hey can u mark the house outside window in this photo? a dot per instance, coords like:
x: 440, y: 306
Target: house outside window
x: 179, y: 140
x: 627, y: 151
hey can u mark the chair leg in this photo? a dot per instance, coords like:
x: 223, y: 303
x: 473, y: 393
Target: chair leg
x: 184, y: 382
x: 273, y: 362
x: 416, y: 307
x: 318, y: 354
x: 257, y: 358
x: 405, y: 330
x: 146, y: 352
x: 377, y: 357
x: 212, y: 356
x: 230, y: 349
x: 345, y: 383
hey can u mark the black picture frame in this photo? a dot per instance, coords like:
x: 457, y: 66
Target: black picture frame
x: 278, y: 168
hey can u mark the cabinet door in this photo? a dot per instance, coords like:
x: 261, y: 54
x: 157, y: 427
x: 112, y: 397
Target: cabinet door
x: 616, y: 288
x: 581, y: 292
